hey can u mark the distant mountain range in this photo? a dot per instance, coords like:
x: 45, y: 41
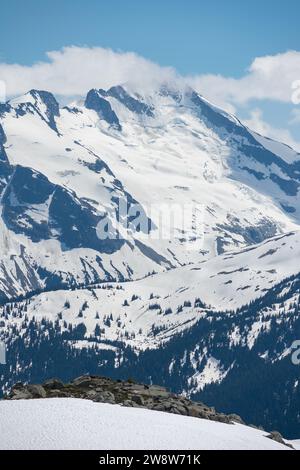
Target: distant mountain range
x: 211, y: 311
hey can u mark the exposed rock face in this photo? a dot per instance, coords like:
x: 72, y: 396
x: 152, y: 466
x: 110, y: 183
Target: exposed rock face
x: 53, y: 384
x: 127, y: 393
x: 276, y: 436
x: 95, y: 101
x: 37, y: 391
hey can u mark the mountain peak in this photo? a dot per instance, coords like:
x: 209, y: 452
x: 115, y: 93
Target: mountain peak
x: 47, y: 98
x: 36, y: 98
x: 134, y: 104
x: 42, y: 102
x: 95, y: 101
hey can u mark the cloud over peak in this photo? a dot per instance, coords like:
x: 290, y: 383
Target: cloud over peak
x: 71, y: 71
x: 268, y: 78
x: 74, y: 70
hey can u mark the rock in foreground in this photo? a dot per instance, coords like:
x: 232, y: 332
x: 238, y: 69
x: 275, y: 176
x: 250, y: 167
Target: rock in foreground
x: 126, y: 393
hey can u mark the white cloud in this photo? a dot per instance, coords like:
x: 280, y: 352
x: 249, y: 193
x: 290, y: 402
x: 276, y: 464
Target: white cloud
x: 268, y: 77
x: 72, y: 71
x: 75, y: 70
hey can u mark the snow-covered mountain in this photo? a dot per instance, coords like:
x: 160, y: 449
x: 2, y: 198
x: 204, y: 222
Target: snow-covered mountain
x: 62, y: 169
x: 131, y: 296
x: 65, y: 424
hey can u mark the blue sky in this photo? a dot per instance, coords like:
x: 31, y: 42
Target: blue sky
x: 195, y: 37
x: 211, y: 36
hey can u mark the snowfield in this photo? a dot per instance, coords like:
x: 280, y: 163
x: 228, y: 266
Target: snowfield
x: 68, y: 423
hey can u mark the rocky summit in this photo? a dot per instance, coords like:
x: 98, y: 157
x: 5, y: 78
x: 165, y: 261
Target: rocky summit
x: 126, y: 393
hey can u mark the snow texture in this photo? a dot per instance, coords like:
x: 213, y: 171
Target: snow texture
x: 67, y: 423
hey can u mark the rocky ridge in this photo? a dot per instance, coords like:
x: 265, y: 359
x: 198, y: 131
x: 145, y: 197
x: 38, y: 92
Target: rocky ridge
x: 126, y: 393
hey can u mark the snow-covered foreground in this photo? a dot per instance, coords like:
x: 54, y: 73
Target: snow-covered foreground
x: 296, y: 444
x: 68, y: 423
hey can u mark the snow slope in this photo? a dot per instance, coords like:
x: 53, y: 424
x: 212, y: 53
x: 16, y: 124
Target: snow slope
x: 69, y: 423
x: 169, y: 300
x: 296, y: 444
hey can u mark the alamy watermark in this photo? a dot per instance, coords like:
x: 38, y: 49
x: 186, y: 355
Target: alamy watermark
x: 127, y: 220
x: 2, y: 353
x: 296, y: 352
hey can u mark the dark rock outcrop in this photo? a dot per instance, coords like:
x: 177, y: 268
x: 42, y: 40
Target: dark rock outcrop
x: 95, y: 101
x: 126, y: 393
x: 276, y: 436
